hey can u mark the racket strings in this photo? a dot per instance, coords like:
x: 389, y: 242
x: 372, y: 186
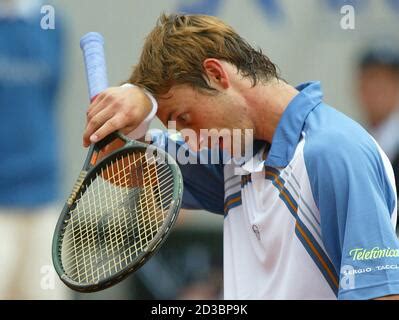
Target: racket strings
x: 92, y: 229
x: 115, y: 237
x: 117, y: 199
x: 116, y: 217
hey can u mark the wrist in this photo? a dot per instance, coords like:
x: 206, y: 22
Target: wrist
x: 141, y: 130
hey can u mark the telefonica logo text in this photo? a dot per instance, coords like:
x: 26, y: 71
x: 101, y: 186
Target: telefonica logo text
x: 375, y: 253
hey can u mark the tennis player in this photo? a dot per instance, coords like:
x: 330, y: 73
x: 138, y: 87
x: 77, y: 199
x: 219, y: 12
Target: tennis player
x: 311, y: 213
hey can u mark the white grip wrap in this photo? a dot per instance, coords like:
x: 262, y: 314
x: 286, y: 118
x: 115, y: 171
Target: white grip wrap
x: 142, y: 129
x: 92, y: 45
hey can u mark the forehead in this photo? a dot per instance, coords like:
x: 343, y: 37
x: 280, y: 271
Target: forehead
x: 178, y: 96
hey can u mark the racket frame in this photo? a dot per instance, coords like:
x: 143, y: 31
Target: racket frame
x: 89, y: 169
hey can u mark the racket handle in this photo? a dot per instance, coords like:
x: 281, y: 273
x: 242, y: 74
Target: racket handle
x: 92, y: 45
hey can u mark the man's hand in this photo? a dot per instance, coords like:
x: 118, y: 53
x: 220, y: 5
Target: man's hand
x: 117, y: 108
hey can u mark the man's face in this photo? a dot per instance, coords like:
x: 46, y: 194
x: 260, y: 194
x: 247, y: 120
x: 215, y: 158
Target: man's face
x: 378, y: 92
x: 194, y: 109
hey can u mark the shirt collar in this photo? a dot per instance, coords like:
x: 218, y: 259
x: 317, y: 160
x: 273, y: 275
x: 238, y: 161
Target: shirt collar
x: 289, y: 129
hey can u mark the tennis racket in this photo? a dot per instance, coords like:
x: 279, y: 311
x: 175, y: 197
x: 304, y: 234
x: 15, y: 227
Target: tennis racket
x: 122, y: 206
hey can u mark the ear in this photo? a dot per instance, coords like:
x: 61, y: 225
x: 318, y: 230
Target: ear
x: 216, y: 73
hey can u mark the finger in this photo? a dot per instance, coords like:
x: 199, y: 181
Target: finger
x: 99, y: 104
x: 94, y: 101
x: 96, y: 122
x: 107, y: 128
x: 103, y: 100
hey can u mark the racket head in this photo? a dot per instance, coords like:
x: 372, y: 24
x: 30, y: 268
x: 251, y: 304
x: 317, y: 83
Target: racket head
x: 95, y: 247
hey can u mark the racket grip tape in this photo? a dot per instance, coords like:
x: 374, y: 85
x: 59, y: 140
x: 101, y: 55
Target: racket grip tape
x: 92, y: 45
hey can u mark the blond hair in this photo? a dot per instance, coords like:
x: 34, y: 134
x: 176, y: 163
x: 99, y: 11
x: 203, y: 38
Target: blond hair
x: 176, y: 48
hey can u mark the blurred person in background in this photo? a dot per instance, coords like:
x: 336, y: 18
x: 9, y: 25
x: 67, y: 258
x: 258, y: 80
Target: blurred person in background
x: 30, y: 69
x: 378, y: 95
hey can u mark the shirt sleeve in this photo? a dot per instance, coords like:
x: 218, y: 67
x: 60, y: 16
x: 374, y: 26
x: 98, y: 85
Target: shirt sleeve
x: 353, y: 187
x: 202, y: 173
